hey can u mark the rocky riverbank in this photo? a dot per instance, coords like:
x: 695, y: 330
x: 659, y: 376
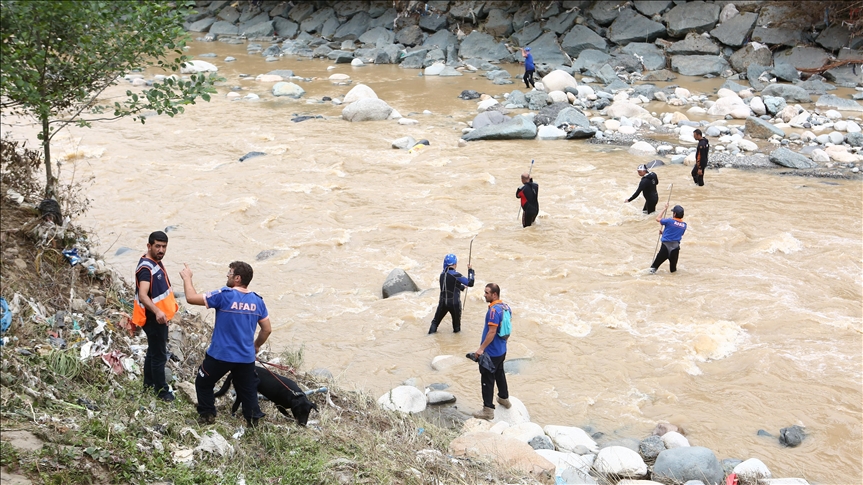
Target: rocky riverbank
x: 611, y: 63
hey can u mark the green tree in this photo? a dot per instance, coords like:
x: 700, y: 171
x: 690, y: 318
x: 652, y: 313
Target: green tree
x: 58, y: 56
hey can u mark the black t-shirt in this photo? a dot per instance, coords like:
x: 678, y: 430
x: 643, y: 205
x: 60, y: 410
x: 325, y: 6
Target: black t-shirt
x: 701, y: 152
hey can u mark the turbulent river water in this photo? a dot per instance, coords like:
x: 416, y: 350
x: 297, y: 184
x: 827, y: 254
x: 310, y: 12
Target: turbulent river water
x: 760, y: 328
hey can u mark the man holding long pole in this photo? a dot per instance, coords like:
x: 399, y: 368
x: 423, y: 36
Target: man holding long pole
x: 528, y: 193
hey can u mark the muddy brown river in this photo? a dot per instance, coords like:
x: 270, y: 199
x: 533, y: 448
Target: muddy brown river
x: 760, y: 328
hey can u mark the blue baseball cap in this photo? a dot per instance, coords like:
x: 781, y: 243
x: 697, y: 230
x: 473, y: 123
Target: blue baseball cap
x: 527, y: 49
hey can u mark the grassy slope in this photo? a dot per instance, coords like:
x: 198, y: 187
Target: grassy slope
x: 129, y: 436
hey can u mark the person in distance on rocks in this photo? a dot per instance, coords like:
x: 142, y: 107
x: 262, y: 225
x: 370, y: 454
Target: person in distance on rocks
x: 494, y: 346
x: 451, y: 284
x: 529, y: 68
x: 700, y: 158
x: 647, y: 186
x: 672, y: 232
x: 233, y: 346
x: 528, y: 193
x: 153, y: 310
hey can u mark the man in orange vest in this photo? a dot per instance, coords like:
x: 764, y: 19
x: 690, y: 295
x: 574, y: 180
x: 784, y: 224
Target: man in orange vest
x: 154, y: 307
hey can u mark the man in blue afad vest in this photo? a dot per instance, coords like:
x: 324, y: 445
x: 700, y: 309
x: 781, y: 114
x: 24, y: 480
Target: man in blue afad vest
x: 672, y: 233
x: 451, y: 284
x: 494, y: 346
x: 233, y: 347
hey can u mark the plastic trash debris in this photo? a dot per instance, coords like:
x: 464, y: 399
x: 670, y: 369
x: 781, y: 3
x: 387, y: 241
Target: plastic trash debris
x: 113, y: 360
x: 72, y: 256
x: 85, y: 350
x: 316, y: 391
x: 239, y: 434
x: 6, y: 318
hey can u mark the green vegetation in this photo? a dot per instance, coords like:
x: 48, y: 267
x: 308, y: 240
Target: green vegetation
x: 57, y: 57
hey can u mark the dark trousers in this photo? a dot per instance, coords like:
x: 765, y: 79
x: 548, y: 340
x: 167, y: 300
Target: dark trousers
x: 245, y: 383
x: 528, y: 217
x: 663, y: 255
x: 442, y: 310
x: 528, y: 79
x: 650, y: 203
x: 488, y: 380
x: 157, y: 356
x: 698, y: 179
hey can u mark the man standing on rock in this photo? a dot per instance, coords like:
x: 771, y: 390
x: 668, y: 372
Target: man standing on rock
x: 529, y: 68
x: 672, y: 232
x: 233, y: 346
x: 528, y: 193
x: 493, y: 346
x: 700, y: 158
x: 154, y: 307
x: 647, y: 186
x: 451, y: 284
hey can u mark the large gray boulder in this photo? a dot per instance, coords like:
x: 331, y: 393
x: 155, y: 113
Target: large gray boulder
x: 202, y: 25
x: 652, y: 7
x: 224, y: 28
x: 630, y: 26
x: 834, y: 37
x: 693, y: 45
x: 386, y: 19
x: 398, y: 282
x: 604, y: 11
x: 758, y: 128
x: 518, y: 128
x: 580, y: 38
x: 441, y: 39
x: 290, y: 90
x: 536, y: 100
x: 353, y: 28
x: 487, y: 118
x: 589, y: 58
x: 517, y: 98
x: 245, y: 26
x: 483, y: 46
x: 571, y: 116
x: 498, y: 23
x: 680, y: 465
x: 561, y: 23
x: 229, y: 14
x: 734, y: 31
x: 785, y: 72
x: 753, y: 73
x: 847, y: 74
x: 787, y: 92
x: 803, y: 57
x: 698, y: 65
x: 787, y: 158
x: 367, y: 109
x: 774, y: 104
x: 301, y: 11
x: 349, y: 9
x: 378, y: 37
x: 527, y: 34
x: 386, y: 55
x: 285, y: 28
x: 315, y: 22
x: 741, y: 59
x: 548, y: 114
x: 689, y: 17
x: 546, y: 50
x: 835, y: 102
x: 410, y: 36
x: 651, y: 56
x: 262, y: 29
x: 414, y: 59
x: 434, y: 22
x: 776, y: 36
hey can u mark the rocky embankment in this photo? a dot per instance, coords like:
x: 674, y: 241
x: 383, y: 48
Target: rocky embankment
x: 777, y: 107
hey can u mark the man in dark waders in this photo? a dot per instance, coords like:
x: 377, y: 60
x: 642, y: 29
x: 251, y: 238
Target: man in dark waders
x: 528, y: 193
x: 700, y: 158
x: 647, y: 186
x: 451, y: 285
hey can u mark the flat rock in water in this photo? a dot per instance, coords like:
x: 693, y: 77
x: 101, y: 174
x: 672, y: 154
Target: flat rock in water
x: 440, y: 397
x: 266, y: 254
x: 833, y: 101
x: 251, y: 155
x: 404, y: 143
x: 787, y: 158
x: 758, y: 128
x: 518, y: 128
x: 404, y: 399
x: 679, y: 465
x: 367, y: 110
x: 398, y: 281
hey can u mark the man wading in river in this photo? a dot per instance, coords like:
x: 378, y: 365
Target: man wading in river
x: 672, y: 233
x: 451, y: 285
x: 647, y: 186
